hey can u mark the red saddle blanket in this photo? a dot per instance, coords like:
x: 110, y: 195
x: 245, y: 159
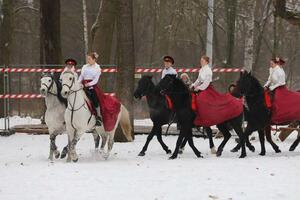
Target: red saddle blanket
x: 285, y: 106
x: 215, y: 108
x: 110, y: 108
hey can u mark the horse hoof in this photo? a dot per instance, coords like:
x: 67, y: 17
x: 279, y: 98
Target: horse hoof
x: 75, y: 160
x: 180, y: 151
x: 242, y: 156
x: 142, y: 153
x: 292, y: 148
x: 62, y: 156
x: 168, y: 151
x: 199, y: 155
x: 219, y: 153
x: 213, y: 150
x: 262, y: 153
x: 172, y: 157
x: 251, y: 148
x: 57, y: 155
x: 278, y: 151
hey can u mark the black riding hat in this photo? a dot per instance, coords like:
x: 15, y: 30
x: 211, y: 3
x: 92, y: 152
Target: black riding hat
x: 71, y: 61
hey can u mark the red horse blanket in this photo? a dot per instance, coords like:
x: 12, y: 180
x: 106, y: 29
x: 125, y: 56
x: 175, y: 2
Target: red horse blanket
x: 110, y: 108
x: 285, y: 106
x: 214, y: 108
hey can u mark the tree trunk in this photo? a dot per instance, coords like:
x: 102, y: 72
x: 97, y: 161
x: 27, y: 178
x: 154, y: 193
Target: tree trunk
x: 50, y: 43
x: 85, y: 28
x: 230, y: 6
x: 249, y: 37
x: 5, y: 41
x: 281, y: 11
x: 126, y: 59
x: 103, y: 29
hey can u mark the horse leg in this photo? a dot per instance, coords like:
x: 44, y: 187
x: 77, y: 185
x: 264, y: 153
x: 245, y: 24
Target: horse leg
x: 109, y: 145
x: 73, y: 142
x: 248, y: 144
x: 238, y: 129
x: 103, y: 142
x: 149, y: 138
x: 269, y: 139
x: 159, y: 138
x: 191, y: 143
x: 64, y: 152
x: 181, y: 149
x: 226, y: 134
x: 261, y: 134
x: 295, y: 144
x: 178, y: 143
x: 96, y: 139
x: 210, y: 138
x: 53, y: 147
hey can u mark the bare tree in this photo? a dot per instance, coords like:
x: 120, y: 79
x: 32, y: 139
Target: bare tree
x: 249, y: 37
x: 50, y: 42
x: 126, y: 58
x: 282, y: 11
x: 103, y: 29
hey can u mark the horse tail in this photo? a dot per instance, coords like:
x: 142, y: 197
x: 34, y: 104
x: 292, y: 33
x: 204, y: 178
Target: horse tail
x: 125, y: 123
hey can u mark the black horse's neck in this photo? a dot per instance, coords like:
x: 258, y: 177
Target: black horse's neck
x: 180, y: 95
x: 154, y: 98
x: 255, y: 97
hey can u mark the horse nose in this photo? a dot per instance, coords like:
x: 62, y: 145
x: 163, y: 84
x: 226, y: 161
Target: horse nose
x: 43, y: 90
x: 66, y: 92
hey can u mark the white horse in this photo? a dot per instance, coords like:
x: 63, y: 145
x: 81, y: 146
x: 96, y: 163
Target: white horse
x: 54, y: 115
x: 79, y: 119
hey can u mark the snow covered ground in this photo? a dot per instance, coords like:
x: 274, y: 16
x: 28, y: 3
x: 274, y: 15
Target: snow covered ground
x: 26, y: 174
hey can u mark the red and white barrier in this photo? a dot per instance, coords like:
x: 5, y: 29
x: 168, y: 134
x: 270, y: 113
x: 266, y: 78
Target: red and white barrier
x: 114, y: 70
x: 31, y: 96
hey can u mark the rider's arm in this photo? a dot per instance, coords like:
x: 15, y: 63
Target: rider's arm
x: 96, y: 77
x: 279, y: 79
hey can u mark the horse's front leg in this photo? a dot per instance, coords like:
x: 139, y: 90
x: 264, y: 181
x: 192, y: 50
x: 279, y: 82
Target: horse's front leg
x: 73, y: 143
x: 211, y: 141
x: 149, y: 138
x: 158, y: 131
x: 53, y: 147
x: 96, y: 137
x: 178, y: 143
x: 226, y: 134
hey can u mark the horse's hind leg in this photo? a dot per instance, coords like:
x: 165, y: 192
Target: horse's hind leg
x: 226, y: 134
x: 261, y: 134
x: 96, y: 139
x: 109, y: 145
x: 211, y: 141
x: 149, y: 138
x: 269, y: 139
x: 181, y: 149
x: 103, y: 142
x: 295, y: 144
x: 178, y: 143
x: 159, y: 138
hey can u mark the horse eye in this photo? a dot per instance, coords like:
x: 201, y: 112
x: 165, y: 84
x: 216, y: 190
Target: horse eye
x: 70, y: 79
x: 49, y: 81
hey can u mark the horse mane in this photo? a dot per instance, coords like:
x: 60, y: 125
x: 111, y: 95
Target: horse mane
x: 59, y: 88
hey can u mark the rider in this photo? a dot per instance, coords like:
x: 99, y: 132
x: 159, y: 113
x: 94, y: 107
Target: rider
x: 70, y: 65
x: 276, y: 76
x: 89, y: 77
x: 168, y: 67
x: 205, y: 75
x: 185, y: 79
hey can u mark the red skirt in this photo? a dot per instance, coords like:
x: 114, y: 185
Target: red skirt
x: 109, y: 106
x: 214, y: 108
x: 285, y: 106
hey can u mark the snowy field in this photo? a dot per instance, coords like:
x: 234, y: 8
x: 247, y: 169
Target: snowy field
x: 26, y: 174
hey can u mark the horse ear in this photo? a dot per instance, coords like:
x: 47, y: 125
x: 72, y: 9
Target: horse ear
x: 52, y: 73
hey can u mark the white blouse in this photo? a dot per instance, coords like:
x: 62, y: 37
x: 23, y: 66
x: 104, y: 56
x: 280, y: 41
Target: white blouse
x: 204, y: 78
x: 169, y: 70
x: 276, y: 78
x: 90, y: 72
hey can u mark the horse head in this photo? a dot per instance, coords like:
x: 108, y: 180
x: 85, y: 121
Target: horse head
x: 166, y: 85
x: 145, y: 85
x: 69, y: 82
x: 247, y: 84
x: 47, y: 82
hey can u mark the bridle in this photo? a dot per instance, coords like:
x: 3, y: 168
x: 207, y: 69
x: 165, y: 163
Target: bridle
x: 49, y: 88
x: 71, y: 106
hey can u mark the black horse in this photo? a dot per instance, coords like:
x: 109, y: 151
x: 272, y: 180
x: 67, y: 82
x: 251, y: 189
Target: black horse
x: 180, y: 95
x: 257, y: 113
x: 160, y: 114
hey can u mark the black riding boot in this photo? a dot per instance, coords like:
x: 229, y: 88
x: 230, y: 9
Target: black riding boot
x: 98, y: 117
